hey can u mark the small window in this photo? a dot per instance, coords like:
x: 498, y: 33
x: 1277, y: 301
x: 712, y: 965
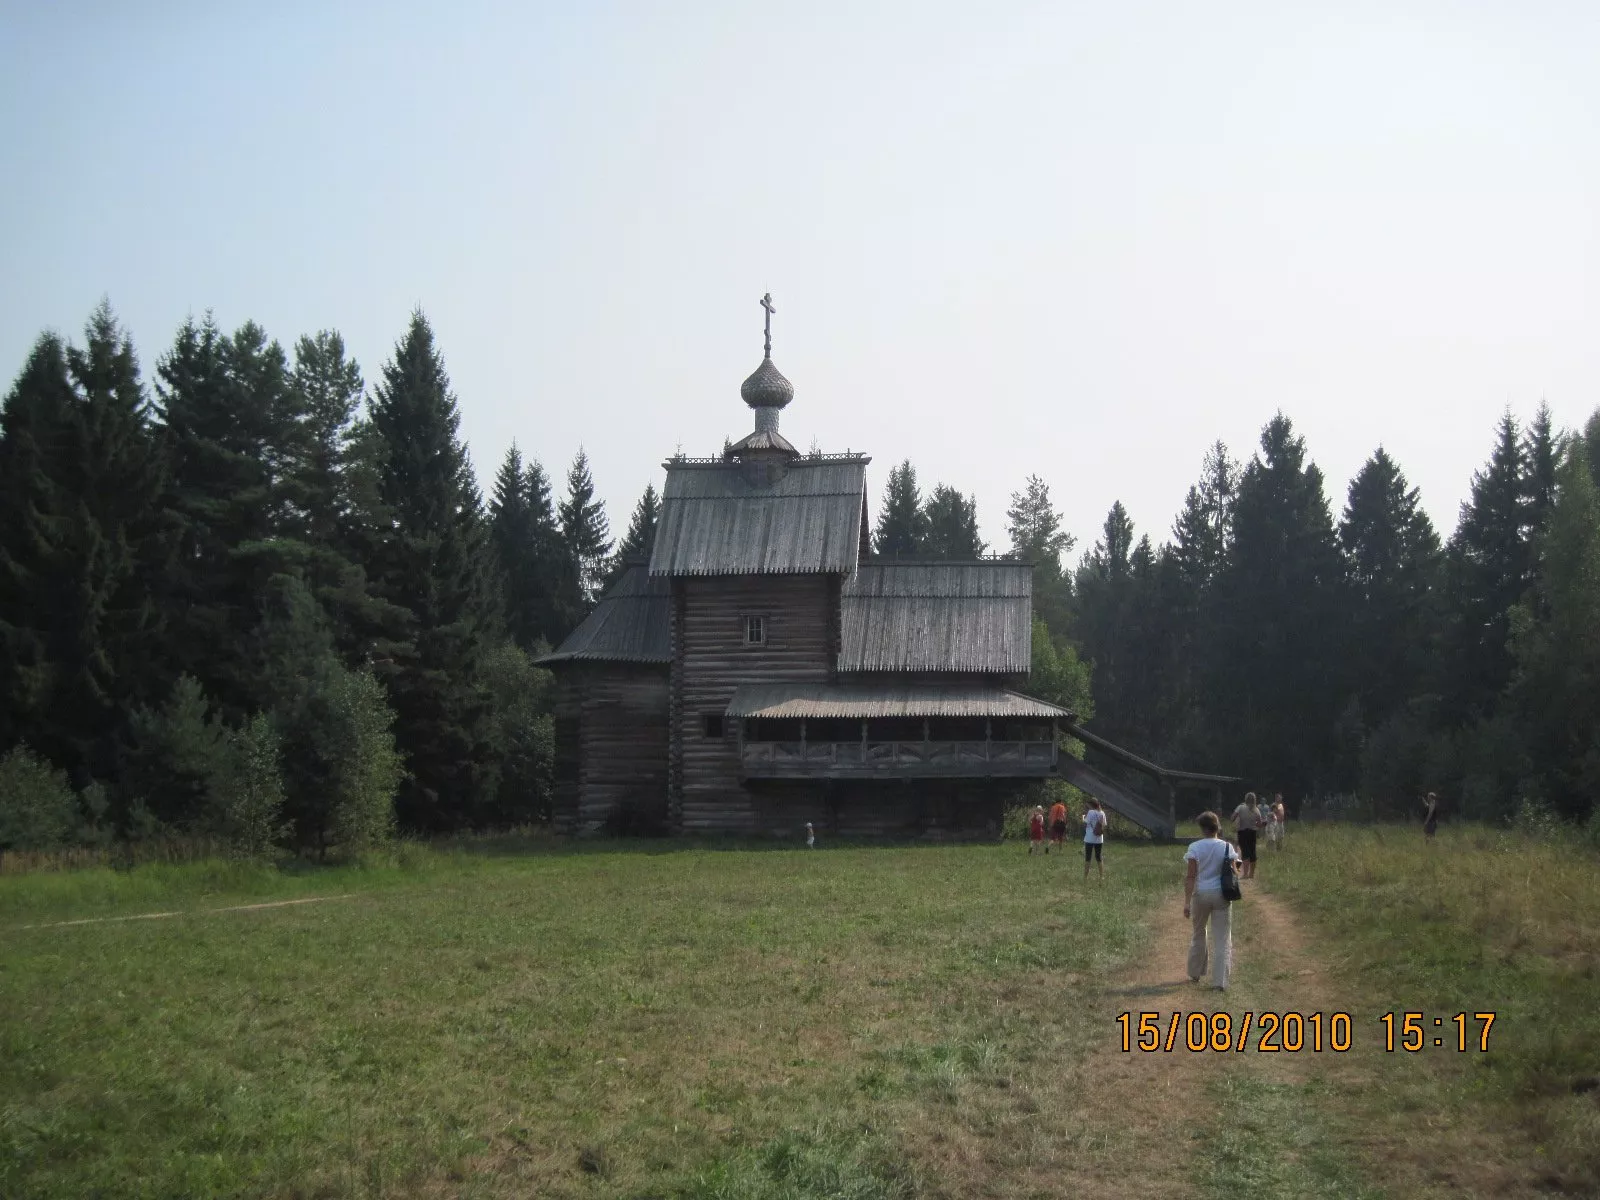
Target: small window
x: 712, y: 724
x: 755, y: 631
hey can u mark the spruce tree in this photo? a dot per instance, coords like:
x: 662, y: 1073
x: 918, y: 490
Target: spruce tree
x: 1280, y: 679
x: 431, y: 570
x: 901, y: 522
x: 1556, y: 646
x: 1488, y: 569
x: 1105, y: 612
x: 118, y: 552
x: 35, y: 433
x: 951, y: 526
x: 516, y: 552
x: 556, y: 600
x: 1392, y: 561
x: 585, y: 529
x: 1540, y: 452
x: 218, y: 398
x: 640, y: 539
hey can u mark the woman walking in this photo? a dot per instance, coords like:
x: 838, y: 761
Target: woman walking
x: 1247, y: 819
x: 1205, y: 862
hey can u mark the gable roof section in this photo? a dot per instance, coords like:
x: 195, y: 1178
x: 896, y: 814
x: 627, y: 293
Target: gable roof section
x: 948, y: 616
x: 632, y: 623
x: 715, y: 522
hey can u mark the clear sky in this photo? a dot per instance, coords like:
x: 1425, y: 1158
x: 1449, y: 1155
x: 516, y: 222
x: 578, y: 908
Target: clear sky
x: 1082, y: 240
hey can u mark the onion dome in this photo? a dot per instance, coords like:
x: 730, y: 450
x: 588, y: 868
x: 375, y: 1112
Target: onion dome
x: 766, y: 387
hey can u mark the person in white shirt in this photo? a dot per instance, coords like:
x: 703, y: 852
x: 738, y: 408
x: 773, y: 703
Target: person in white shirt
x: 1094, y: 836
x: 1204, y: 862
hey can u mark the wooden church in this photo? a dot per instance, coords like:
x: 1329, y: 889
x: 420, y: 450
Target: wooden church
x: 762, y: 671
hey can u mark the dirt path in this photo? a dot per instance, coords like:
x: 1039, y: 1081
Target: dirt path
x: 1160, y: 1099
x: 159, y: 916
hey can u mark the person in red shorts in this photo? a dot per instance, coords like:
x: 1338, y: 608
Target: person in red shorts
x: 1036, y: 828
x: 1058, y: 825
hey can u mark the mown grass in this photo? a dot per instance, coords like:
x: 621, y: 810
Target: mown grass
x: 1482, y: 920
x: 514, y: 1018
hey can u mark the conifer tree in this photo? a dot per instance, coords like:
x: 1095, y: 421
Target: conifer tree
x: 516, y: 551
x: 1034, y: 525
x: 1540, y: 452
x: 640, y: 539
x: 35, y: 430
x: 1279, y: 681
x: 1392, y: 561
x: 1556, y: 646
x: 218, y: 398
x: 585, y: 529
x: 951, y: 526
x: 1488, y: 569
x: 117, y: 550
x: 431, y: 569
x: 1105, y: 613
x: 902, y: 524
x: 557, y: 599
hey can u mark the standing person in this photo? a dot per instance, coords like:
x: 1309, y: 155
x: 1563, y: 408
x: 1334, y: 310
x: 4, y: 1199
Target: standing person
x: 1094, y: 836
x: 1036, y: 828
x: 1205, y: 862
x: 1275, y: 816
x: 1246, y: 821
x: 1430, y: 819
x: 1058, y: 825
x: 811, y: 837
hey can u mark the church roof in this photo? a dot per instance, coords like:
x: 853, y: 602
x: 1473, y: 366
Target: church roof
x: 631, y: 623
x: 717, y: 520
x: 887, y: 699
x: 945, y: 616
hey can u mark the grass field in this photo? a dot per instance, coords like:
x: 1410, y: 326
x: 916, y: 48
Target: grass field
x: 634, y: 1020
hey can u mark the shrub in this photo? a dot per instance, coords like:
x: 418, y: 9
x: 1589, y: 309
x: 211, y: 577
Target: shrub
x: 364, y: 767
x: 37, y: 808
x: 520, y: 696
x: 177, y: 752
x: 246, y: 790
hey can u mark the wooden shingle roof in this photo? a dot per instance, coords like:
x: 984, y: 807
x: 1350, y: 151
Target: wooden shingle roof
x: 715, y: 521
x: 887, y: 699
x: 632, y: 623
x: 967, y: 617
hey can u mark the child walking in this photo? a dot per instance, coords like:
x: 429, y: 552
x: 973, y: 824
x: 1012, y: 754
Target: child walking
x: 1036, y: 828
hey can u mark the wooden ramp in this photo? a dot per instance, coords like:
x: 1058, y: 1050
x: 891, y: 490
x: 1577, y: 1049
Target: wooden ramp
x: 1121, y: 798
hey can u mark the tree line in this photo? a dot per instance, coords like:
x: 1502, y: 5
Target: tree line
x: 258, y: 602
x: 261, y: 601
x: 1358, y: 657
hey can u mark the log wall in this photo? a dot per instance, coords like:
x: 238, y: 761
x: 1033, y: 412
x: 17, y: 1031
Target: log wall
x: 712, y: 660
x: 611, y: 748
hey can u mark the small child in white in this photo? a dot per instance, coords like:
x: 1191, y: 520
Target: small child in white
x: 811, y: 836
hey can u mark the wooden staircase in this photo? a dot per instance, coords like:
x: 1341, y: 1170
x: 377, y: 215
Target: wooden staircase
x: 1120, y: 798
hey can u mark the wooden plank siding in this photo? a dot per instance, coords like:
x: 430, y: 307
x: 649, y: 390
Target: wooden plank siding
x: 711, y: 659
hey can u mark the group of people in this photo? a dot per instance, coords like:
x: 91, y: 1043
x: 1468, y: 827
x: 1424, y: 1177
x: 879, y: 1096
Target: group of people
x: 1094, y: 832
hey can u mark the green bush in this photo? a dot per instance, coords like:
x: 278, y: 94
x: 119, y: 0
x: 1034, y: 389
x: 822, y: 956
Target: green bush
x: 178, y: 750
x: 246, y: 790
x: 520, y: 697
x: 364, y: 767
x: 38, y: 810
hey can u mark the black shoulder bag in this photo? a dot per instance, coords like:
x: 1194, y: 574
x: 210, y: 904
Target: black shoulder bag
x: 1230, y: 877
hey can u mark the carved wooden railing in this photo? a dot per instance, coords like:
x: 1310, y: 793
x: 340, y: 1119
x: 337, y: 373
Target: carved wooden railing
x: 888, y: 758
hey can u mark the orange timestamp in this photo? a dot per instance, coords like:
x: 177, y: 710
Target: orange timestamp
x: 1290, y: 1032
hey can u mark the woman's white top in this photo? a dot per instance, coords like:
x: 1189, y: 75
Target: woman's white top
x: 1094, y: 827
x: 1209, y: 854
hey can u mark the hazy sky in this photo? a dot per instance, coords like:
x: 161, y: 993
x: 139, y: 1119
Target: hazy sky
x: 1078, y: 240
